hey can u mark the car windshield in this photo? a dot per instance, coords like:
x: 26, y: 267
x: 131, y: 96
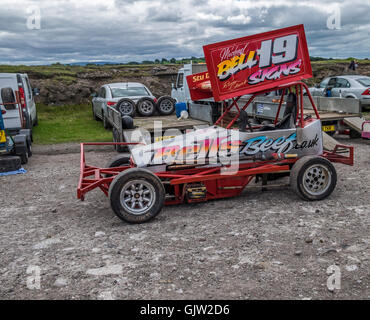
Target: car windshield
x: 364, y: 81
x: 129, y: 92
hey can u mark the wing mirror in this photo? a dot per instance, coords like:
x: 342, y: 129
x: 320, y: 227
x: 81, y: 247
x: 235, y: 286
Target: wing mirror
x: 94, y: 95
x: 36, y: 91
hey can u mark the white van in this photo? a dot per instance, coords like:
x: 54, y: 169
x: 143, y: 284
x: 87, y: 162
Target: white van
x: 16, y: 98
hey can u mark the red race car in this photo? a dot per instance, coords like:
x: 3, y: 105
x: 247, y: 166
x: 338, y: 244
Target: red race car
x: 219, y: 161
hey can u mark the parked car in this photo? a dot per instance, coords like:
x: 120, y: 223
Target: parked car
x: 348, y: 86
x: 127, y: 97
x: 17, y: 99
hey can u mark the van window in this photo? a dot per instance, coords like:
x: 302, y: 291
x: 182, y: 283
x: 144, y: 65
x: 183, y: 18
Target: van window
x: 8, y: 98
x: 29, y: 89
x: 180, y: 80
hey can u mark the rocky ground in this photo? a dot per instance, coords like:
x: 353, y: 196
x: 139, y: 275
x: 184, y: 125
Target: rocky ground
x: 259, y: 245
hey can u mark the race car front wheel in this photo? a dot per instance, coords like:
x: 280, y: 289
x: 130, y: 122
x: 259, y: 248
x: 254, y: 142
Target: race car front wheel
x: 313, y: 178
x: 136, y: 195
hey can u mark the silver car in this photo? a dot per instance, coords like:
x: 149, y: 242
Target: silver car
x: 351, y: 86
x: 126, y: 97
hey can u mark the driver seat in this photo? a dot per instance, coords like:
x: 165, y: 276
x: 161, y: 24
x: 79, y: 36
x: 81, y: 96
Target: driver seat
x: 289, y: 117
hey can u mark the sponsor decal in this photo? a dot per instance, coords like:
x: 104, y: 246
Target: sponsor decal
x: 279, y: 145
x: 239, y: 66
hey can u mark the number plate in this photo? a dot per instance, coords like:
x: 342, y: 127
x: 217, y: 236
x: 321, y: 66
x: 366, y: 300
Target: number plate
x: 2, y: 136
x: 157, y: 139
x: 328, y: 128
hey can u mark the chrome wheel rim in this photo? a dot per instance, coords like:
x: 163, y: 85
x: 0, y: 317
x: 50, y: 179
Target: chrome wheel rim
x: 166, y: 105
x: 125, y: 108
x: 137, y: 197
x: 316, y: 179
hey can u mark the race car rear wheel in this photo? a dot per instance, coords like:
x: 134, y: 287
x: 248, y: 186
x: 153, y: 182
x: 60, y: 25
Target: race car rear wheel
x: 136, y: 195
x: 313, y: 178
x: 117, y: 161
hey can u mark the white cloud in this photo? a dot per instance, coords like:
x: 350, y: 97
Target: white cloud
x: 127, y: 30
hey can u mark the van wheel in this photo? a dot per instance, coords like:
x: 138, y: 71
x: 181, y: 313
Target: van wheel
x: 36, y: 123
x: 29, y: 149
x: 136, y: 195
x: 24, y: 158
x: 313, y: 178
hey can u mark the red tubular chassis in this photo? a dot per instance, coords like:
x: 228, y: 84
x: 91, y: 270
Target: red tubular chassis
x: 216, y: 183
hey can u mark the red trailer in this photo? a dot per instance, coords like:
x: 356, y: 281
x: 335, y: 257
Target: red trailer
x: 219, y: 161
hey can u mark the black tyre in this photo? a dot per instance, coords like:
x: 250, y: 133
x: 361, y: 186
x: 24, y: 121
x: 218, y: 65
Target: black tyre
x: 126, y: 107
x: 127, y: 122
x: 353, y: 134
x: 145, y: 107
x: 24, y: 158
x: 136, y: 195
x: 117, y: 161
x: 29, y: 149
x: 36, y: 122
x: 9, y: 163
x: 313, y: 178
x: 166, y: 105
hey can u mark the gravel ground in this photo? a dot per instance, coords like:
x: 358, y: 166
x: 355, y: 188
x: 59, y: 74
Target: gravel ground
x: 261, y: 245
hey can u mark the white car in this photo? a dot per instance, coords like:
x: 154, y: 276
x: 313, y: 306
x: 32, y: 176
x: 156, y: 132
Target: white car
x: 347, y: 86
x: 126, y: 97
x: 17, y: 99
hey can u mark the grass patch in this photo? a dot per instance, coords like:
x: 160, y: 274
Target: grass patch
x: 70, y: 123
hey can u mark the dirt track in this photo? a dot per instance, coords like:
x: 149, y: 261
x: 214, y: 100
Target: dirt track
x: 259, y: 245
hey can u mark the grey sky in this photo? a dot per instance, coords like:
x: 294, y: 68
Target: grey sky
x: 126, y: 30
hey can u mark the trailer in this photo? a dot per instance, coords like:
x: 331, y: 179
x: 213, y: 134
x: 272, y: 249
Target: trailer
x: 143, y: 129
x: 220, y: 160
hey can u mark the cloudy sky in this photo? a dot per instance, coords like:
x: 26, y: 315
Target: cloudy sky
x: 135, y: 30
